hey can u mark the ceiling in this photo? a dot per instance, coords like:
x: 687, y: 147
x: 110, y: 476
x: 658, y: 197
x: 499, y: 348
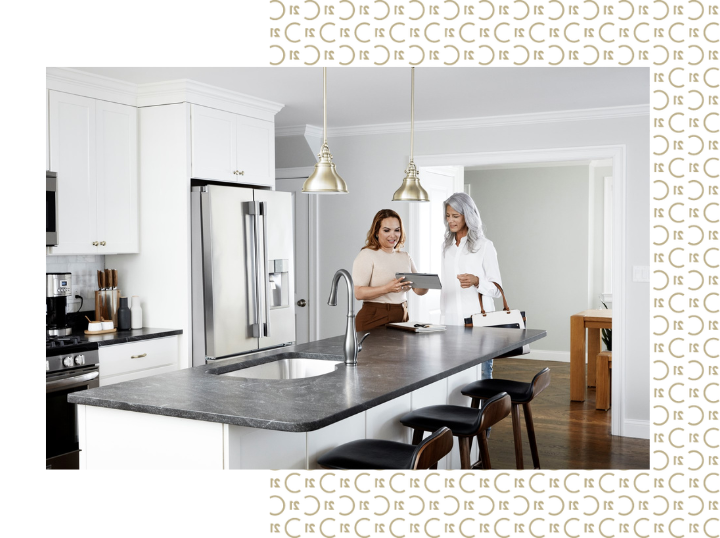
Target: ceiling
x: 376, y: 95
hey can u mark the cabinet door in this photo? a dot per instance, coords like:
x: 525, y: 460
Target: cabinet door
x: 72, y: 156
x: 214, y: 144
x: 255, y: 151
x: 117, y: 184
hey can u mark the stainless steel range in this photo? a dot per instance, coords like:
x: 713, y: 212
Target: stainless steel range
x: 71, y: 365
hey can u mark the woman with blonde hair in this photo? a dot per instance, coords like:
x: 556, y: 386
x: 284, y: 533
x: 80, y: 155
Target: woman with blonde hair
x: 469, y: 268
x: 384, y: 296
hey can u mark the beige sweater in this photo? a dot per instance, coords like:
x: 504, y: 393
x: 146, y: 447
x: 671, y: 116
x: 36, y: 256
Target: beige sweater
x: 377, y: 268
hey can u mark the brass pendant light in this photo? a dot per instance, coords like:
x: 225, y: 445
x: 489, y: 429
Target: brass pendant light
x: 324, y: 179
x: 411, y: 190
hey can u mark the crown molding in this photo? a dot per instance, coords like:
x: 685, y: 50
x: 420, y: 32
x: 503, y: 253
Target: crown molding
x: 190, y: 91
x: 489, y: 121
x: 299, y: 130
x: 293, y: 173
x: 77, y: 82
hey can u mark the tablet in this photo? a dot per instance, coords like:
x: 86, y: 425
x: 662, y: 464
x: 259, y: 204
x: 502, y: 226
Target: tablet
x: 422, y: 280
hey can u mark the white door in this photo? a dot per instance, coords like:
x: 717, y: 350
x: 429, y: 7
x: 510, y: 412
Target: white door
x: 302, y: 282
x: 255, y: 151
x: 426, y: 231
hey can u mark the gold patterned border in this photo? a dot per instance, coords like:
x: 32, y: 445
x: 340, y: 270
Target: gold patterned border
x: 678, y: 41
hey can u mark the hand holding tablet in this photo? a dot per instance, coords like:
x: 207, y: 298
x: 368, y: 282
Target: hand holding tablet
x: 422, y: 280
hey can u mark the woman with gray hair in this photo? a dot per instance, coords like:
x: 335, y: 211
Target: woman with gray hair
x: 469, y: 267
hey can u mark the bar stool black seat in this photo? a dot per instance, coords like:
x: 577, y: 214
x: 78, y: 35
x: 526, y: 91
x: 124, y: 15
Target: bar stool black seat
x: 379, y: 454
x: 465, y: 423
x: 520, y: 394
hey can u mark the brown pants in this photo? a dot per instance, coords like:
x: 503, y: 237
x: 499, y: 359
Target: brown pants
x: 374, y: 315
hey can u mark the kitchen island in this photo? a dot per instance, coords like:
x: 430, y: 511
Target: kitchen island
x: 197, y: 418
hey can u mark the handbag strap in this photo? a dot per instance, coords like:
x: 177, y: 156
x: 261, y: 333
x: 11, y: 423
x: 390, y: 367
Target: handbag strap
x: 505, y: 304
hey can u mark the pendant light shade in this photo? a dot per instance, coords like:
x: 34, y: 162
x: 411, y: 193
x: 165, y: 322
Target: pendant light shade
x: 411, y: 190
x: 324, y: 179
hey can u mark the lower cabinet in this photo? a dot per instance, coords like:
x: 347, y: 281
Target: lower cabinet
x: 124, y: 362
x: 109, y: 437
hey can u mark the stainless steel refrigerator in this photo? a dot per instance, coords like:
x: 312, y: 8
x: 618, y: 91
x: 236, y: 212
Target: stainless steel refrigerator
x: 242, y: 271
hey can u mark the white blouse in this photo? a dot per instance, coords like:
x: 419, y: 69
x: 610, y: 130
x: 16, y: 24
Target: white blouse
x: 458, y: 303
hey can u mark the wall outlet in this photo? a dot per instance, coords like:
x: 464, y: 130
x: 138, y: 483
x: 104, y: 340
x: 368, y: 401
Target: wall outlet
x: 641, y: 273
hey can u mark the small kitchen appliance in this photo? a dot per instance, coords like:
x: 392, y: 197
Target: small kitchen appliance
x: 58, y: 287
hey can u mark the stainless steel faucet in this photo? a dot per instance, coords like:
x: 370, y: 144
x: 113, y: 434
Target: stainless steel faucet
x: 352, y: 347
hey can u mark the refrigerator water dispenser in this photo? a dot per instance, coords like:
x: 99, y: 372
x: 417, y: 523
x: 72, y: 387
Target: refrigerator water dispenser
x: 279, y: 283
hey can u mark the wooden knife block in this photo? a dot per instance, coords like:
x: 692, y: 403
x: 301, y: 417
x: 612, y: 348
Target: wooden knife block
x: 106, y: 305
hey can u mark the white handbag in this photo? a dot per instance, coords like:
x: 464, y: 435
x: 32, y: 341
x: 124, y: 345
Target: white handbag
x: 502, y: 319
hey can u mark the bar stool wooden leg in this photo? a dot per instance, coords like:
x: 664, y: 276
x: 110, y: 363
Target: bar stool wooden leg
x: 516, y: 435
x: 531, y: 435
x: 464, y: 443
x: 483, y: 450
x: 417, y: 436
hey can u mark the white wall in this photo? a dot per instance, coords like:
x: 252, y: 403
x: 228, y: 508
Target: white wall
x: 538, y: 220
x: 373, y: 167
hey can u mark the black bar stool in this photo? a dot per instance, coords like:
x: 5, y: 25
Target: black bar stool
x: 465, y: 423
x: 520, y: 394
x: 379, y: 454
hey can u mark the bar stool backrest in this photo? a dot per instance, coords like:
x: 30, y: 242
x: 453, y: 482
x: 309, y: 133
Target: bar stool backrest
x: 540, y: 381
x: 494, y: 410
x: 433, y: 449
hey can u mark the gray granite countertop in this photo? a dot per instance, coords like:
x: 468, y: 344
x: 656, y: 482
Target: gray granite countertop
x: 392, y: 363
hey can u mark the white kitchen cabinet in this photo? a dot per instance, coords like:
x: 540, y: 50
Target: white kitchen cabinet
x: 124, y: 362
x: 231, y: 147
x: 93, y: 149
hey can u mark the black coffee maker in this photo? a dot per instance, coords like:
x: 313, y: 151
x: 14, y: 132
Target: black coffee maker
x: 58, y: 287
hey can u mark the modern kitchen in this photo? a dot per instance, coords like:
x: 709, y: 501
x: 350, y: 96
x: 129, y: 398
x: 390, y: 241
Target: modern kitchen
x: 201, y: 302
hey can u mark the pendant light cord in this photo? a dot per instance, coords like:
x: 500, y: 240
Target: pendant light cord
x: 325, y: 105
x: 412, y: 111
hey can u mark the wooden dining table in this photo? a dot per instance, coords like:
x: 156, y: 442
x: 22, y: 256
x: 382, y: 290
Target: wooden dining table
x: 592, y: 321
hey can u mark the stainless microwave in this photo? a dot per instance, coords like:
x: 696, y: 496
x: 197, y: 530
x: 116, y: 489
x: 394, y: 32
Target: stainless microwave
x: 51, y: 209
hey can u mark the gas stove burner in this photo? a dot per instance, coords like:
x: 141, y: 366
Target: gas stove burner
x: 61, y: 342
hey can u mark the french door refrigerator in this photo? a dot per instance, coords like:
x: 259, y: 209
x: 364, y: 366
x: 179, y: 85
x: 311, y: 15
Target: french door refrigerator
x: 242, y: 271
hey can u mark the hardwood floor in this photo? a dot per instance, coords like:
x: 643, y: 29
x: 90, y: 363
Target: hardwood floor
x: 570, y: 435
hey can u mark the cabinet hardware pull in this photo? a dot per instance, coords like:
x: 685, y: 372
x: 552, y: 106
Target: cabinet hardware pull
x: 95, y: 243
x: 102, y: 243
x: 138, y: 356
x: 241, y: 173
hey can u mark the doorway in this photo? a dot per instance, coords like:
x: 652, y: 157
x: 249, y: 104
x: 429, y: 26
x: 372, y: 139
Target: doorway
x: 305, y: 251
x: 616, y: 156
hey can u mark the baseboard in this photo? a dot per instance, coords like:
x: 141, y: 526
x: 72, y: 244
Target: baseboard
x: 544, y: 355
x: 636, y: 428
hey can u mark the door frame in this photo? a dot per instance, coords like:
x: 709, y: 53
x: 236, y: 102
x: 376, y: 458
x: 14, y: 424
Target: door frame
x: 303, y: 172
x: 588, y: 153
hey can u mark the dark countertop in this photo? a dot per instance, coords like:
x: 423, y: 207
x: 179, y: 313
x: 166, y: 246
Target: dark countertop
x: 123, y: 337
x: 392, y: 363
x: 88, y: 342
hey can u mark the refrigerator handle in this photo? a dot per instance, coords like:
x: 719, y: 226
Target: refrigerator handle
x: 265, y: 280
x: 254, y: 272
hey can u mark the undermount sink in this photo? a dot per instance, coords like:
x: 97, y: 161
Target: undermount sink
x: 285, y: 366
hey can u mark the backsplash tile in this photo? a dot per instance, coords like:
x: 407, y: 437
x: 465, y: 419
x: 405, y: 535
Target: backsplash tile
x: 84, y: 274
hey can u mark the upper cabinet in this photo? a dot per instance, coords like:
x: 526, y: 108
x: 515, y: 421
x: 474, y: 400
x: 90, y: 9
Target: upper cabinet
x: 231, y: 147
x: 93, y: 149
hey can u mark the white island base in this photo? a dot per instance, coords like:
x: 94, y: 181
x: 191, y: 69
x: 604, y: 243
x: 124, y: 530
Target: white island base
x: 117, y: 439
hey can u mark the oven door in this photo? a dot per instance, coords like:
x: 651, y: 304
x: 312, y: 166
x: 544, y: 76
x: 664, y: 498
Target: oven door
x: 61, y: 425
x: 51, y: 210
